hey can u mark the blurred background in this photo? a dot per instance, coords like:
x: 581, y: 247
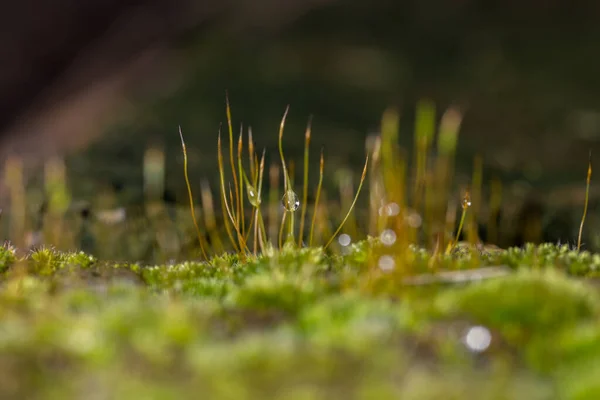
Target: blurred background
x: 98, y: 82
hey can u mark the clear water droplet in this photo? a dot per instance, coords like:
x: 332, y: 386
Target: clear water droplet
x: 253, y: 196
x: 466, y: 203
x: 344, y: 239
x: 478, y: 339
x: 388, y: 237
x: 386, y: 263
x: 290, y: 201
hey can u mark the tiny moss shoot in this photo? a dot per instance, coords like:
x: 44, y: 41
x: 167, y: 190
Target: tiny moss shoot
x: 227, y: 216
x: 191, y: 197
x: 317, y: 198
x: 466, y: 204
x: 305, y: 182
x: 238, y: 202
x: 587, y: 196
x: 362, y: 180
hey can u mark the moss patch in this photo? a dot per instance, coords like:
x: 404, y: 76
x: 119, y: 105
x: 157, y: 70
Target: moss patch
x: 297, y: 324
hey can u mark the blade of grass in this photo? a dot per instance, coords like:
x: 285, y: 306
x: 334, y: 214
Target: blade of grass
x: 191, y: 197
x: 362, y: 180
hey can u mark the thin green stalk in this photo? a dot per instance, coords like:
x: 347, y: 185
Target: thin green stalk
x: 305, y: 182
x: 281, y: 226
x: 273, y: 201
x: 251, y: 154
x: 254, y: 199
x: 240, y: 235
x: 262, y: 232
x: 231, y: 160
x: 317, y: 197
x: 465, y: 206
x: 286, y: 178
x: 224, y: 205
x: 285, y: 173
x: 241, y: 219
x: 362, y: 180
x: 587, y: 196
x: 191, y: 197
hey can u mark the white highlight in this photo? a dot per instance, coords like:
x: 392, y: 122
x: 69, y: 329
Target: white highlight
x: 386, y: 263
x: 344, y: 239
x: 478, y: 339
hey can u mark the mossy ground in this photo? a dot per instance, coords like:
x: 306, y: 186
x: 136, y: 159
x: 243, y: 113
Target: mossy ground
x: 298, y: 324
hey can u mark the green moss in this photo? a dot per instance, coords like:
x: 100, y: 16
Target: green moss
x: 525, y: 305
x: 47, y: 261
x: 292, y: 325
x: 7, y: 257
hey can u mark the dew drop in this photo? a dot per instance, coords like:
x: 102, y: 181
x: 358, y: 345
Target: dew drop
x: 253, y: 196
x: 388, y: 237
x: 386, y: 263
x: 478, y: 339
x: 466, y: 203
x: 290, y: 201
x: 344, y: 239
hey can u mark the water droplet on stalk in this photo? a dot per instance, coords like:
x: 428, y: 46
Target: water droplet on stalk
x: 290, y: 201
x: 466, y: 203
x: 253, y: 196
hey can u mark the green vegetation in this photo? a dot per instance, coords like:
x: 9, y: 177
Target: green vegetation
x: 296, y: 324
x: 403, y: 303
